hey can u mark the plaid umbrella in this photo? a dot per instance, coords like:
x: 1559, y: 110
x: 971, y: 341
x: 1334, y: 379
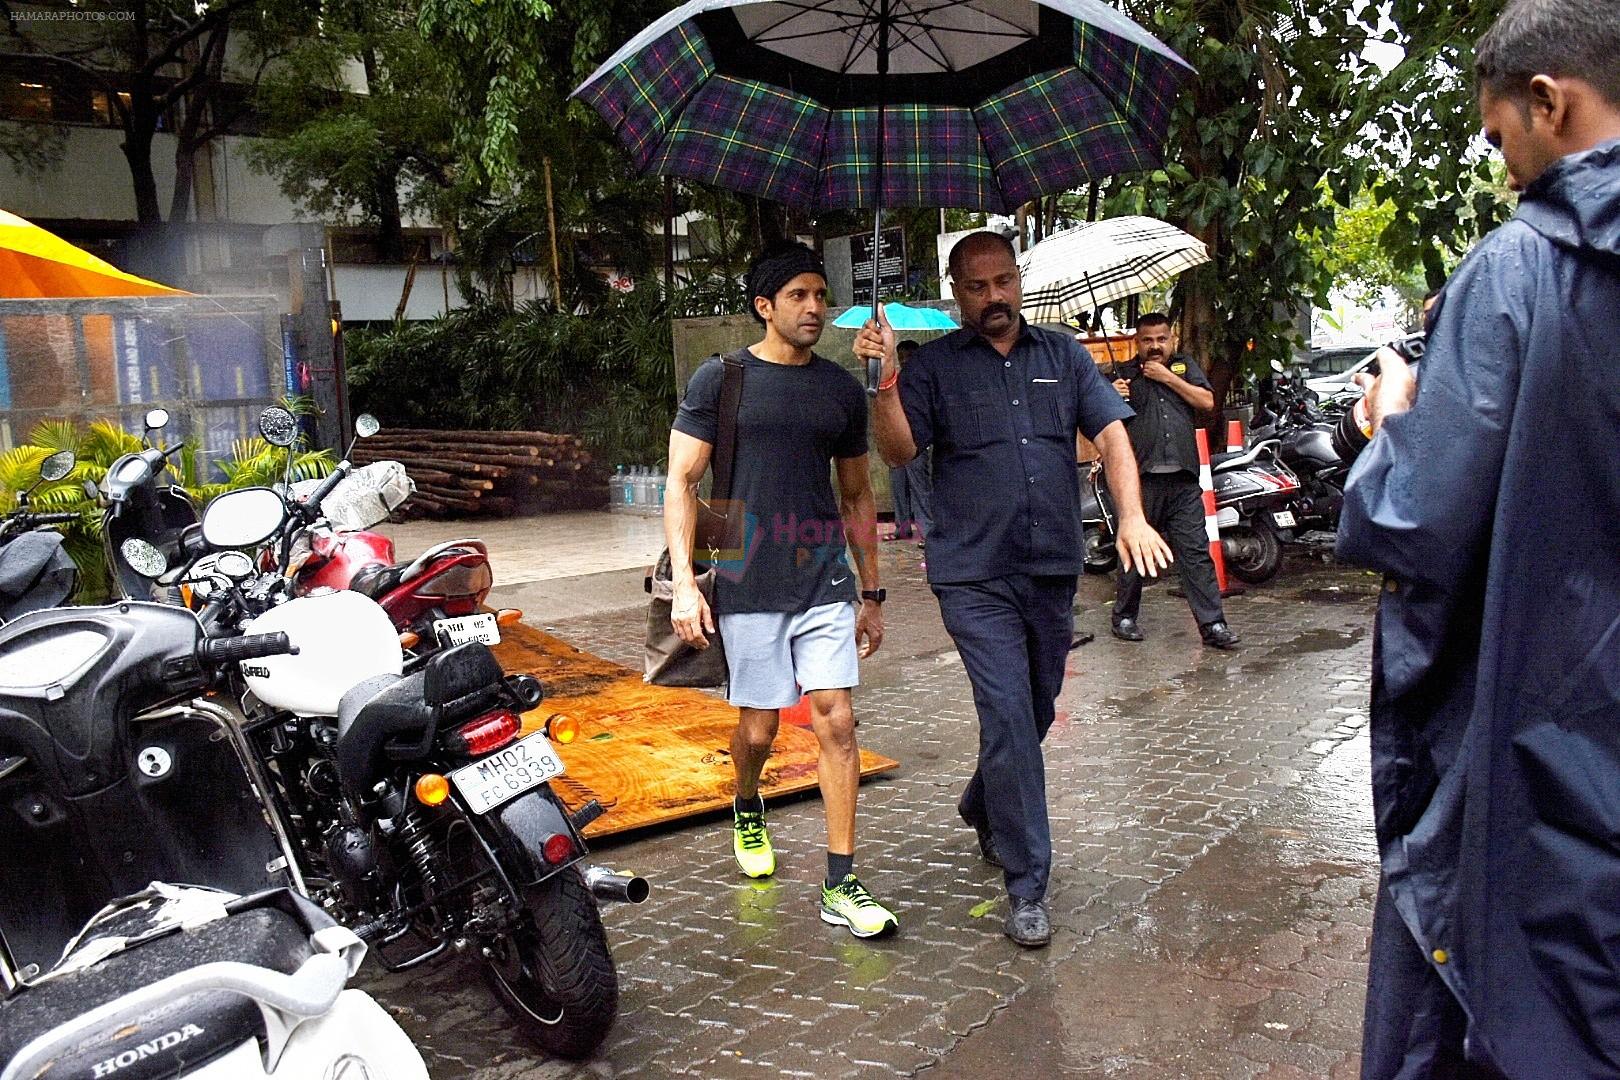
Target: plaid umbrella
x: 1083, y: 268
x: 823, y: 104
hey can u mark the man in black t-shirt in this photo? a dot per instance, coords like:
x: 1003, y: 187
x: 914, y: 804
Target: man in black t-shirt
x: 786, y: 605
x: 1164, y: 388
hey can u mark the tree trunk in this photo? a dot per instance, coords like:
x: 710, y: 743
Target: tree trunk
x: 137, y: 147
x: 390, y: 222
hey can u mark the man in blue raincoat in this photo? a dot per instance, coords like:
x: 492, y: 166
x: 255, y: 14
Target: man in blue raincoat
x: 1493, y: 509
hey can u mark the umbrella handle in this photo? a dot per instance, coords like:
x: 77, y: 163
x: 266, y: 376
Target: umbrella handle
x: 874, y: 373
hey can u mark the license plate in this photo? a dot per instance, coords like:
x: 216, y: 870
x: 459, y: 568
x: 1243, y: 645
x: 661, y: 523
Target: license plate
x: 465, y: 628
x: 492, y: 780
x: 1284, y: 519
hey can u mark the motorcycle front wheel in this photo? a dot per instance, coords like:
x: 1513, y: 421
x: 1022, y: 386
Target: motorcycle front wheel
x: 1253, y: 551
x: 557, y: 977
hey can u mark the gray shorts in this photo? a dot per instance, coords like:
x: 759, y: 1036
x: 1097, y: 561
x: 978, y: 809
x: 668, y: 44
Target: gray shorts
x: 773, y: 656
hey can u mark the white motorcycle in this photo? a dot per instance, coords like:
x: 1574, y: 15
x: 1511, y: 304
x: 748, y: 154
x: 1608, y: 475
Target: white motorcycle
x: 186, y: 982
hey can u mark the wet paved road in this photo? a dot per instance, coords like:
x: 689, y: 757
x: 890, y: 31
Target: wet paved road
x: 1211, y: 891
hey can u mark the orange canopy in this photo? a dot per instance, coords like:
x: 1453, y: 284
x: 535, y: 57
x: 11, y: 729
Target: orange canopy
x: 36, y: 263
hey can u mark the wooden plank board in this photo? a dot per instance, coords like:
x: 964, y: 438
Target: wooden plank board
x: 648, y: 754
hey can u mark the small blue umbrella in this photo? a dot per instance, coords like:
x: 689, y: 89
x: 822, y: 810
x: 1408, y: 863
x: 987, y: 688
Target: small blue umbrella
x: 901, y: 317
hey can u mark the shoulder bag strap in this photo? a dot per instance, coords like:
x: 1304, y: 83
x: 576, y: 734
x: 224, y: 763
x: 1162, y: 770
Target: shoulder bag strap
x: 725, y: 450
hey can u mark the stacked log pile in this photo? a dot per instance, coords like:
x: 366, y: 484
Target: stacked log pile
x: 489, y: 472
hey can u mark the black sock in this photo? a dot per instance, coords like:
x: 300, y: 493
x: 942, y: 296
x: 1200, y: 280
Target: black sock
x: 838, y: 868
x: 755, y: 805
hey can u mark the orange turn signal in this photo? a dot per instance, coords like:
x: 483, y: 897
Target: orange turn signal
x: 508, y: 616
x: 562, y: 729
x: 409, y: 639
x: 432, y: 789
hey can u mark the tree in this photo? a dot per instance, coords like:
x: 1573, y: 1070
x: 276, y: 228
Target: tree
x: 1286, y: 119
x: 164, y: 62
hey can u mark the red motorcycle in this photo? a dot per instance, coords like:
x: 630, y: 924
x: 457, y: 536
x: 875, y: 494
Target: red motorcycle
x: 435, y: 600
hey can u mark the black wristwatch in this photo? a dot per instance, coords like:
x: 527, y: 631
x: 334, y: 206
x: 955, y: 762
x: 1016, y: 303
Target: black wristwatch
x: 875, y: 595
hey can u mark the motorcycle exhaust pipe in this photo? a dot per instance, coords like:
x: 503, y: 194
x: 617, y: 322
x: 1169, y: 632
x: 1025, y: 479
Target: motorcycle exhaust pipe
x: 606, y: 885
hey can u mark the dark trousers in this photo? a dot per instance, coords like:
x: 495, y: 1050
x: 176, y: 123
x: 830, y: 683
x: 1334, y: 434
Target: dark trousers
x: 1013, y: 634
x: 1174, y: 505
x: 913, y: 487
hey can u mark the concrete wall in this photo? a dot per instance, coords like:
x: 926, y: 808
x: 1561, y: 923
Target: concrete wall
x: 698, y: 339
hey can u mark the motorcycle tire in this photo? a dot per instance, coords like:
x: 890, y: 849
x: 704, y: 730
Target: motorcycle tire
x: 1253, y: 552
x: 572, y: 997
x: 1100, y: 557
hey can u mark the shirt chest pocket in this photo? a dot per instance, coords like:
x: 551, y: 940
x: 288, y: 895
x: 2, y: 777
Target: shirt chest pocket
x: 1051, y: 409
x: 970, y: 418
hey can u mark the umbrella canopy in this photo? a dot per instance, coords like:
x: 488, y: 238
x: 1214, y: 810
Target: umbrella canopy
x: 36, y: 263
x: 900, y: 316
x: 822, y: 104
x: 1083, y: 268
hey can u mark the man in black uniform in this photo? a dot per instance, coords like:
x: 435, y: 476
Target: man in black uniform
x: 1164, y: 388
x: 998, y: 404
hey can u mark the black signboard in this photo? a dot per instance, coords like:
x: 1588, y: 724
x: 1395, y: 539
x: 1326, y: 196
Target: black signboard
x: 891, y: 264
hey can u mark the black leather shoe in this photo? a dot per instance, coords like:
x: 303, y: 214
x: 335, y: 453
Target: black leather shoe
x: 1218, y: 635
x: 1127, y: 630
x: 987, y: 842
x: 1028, y: 924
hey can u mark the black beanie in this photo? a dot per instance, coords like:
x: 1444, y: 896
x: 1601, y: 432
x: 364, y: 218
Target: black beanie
x: 776, y: 268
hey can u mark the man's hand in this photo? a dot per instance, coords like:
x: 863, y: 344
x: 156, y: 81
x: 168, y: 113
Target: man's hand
x: 690, y: 614
x: 869, y: 628
x: 1142, y: 549
x: 877, y: 338
x: 1392, y: 392
x: 1156, y: 371
x: 1124, y: 388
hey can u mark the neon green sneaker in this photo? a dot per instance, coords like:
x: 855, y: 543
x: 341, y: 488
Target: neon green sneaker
x: 752, y: 844
x: 849, y: 904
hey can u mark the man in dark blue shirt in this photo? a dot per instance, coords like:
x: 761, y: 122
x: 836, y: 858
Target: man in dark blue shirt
x: 1000, y: 402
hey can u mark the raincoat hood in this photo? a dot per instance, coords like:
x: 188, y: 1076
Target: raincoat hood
x: 1576, y: 202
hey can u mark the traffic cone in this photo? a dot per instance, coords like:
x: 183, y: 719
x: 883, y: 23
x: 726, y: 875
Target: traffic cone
x: 1234, y: 436
x: 798, y: 715
x: 1206, y: 481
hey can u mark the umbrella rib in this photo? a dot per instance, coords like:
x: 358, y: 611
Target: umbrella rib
x: 938, y: 57
x: 855, y: 42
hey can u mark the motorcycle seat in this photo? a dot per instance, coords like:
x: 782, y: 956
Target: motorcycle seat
x: 190, y: 1028
x: 398, y: 715
x: 378, y: 581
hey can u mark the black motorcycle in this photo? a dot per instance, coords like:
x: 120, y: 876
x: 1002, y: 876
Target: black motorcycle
x: 35, y: 571
x: 410, y: 805
x: 141, y: 504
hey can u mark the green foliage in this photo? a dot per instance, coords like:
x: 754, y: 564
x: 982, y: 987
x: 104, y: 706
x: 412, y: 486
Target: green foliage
x: 1285, y: 124
x: 608, y: 377
x: 253, y: 463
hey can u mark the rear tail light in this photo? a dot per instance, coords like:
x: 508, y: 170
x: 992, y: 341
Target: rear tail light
x: 486, y: 734
x: 557, y: 849
x: 466, y: 576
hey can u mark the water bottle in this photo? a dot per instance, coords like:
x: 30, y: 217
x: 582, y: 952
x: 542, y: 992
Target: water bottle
x: 659, y: 482
x: 616, y: 490
x: 644, y: 494
x: 627, y: 489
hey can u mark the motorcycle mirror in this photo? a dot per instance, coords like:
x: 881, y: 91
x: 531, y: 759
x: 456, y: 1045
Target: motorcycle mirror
x: 57, y: 466
x: 278, y: 426
x: 366, y: 425
x: 143, y: 558
x: 1277, y: 366
x: 234, y: 565
x: 92, y: 490
x: 157, y: 419
x: 243, y: 517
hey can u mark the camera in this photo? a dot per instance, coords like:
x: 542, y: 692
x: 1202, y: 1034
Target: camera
x: 1349, y: 437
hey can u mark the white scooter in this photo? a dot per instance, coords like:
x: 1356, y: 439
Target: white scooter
x: 185, y: 982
